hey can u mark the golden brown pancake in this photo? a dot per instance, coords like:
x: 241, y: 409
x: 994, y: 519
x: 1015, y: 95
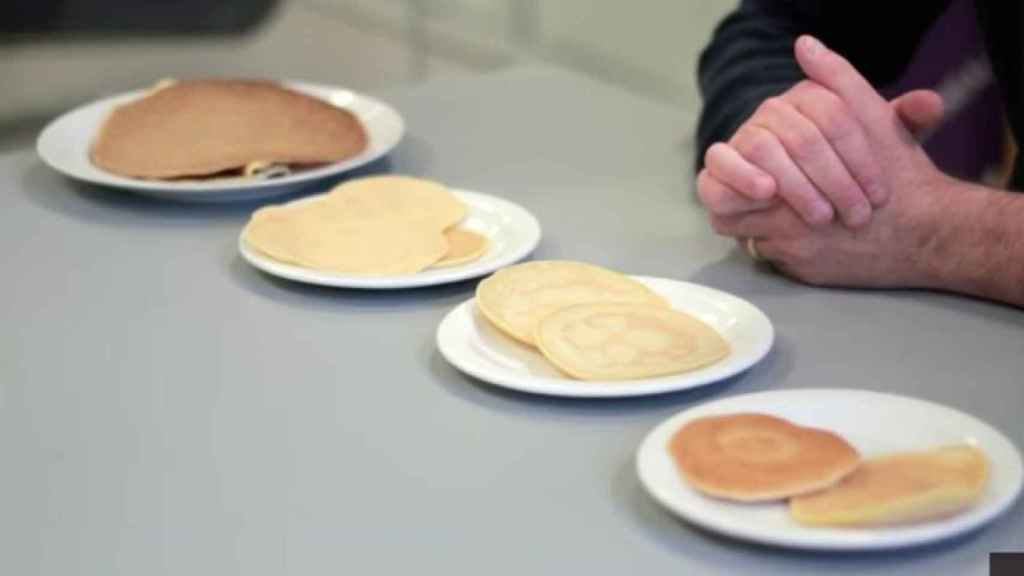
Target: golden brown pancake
x: 899, y: 488
x: 204, y: 127
x: 623, y: 341
x: 757, y: 457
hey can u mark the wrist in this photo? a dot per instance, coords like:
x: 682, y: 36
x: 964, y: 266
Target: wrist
x: 966, y: 237
x: 947, y: 204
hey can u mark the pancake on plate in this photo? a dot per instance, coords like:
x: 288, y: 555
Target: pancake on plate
x: 203, y: 128
x: 376, y: 226
x: 515, y: 299
x: 899, y: 488
x: 753, y: 457
x: 402, y: 197
x: 463, y: 246
x: 602, y: 341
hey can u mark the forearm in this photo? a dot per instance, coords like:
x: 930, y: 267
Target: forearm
x: 977, y: 244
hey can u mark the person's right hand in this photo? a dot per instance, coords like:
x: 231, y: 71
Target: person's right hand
x: 806, y: 148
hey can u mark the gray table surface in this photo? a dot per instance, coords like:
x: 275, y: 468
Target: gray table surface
x: 167, y: 409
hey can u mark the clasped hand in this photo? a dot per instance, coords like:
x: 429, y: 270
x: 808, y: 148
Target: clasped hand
x: 828, y: 179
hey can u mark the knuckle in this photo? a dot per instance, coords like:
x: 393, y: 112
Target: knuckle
x: 805, y: 144
x: 832, y: 115
x: 759, y: 145
x: 772, y: 105
x: 805, y: 89
x: 713, y: 153
x: 839, y: 125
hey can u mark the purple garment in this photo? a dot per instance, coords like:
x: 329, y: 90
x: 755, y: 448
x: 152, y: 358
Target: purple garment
x: 970, y: 139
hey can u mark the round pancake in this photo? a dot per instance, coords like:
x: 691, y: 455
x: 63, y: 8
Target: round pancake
x: 899, y: 488
x: 315, y: 236
x: 404, y: 197
x: 757, y: 457
x: 203, y: 127
x: 622, y: 341
x: 463, y: 246
x: 517, y: 298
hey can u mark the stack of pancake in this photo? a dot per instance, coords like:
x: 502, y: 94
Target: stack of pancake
x: 212, y: 128
x: 596, y: 324
x: 375, y: 226
x: 757, y: 457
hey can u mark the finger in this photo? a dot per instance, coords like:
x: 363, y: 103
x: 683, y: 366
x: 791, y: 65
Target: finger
x: 836, y: 122
x: 775, y: 253
x: 837, y: 74
x: 764, y: 149
x: 819, y: 162
x: 919, y: 110
x: 768, y: 249
x: 720, y: 198
x: 750, y: 246
x: 732, y: 169
x: 780, y: 221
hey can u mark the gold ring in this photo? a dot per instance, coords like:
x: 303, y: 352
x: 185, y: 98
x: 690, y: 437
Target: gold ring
x: 751, y: 246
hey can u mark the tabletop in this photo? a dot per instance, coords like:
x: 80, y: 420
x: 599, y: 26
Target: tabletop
x: 167, y: 409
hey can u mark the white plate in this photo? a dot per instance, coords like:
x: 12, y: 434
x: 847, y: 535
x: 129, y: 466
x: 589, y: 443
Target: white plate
x: 512, y: 231
x: 64, y: 145
x: 873, y: 422
x: 470, y: 343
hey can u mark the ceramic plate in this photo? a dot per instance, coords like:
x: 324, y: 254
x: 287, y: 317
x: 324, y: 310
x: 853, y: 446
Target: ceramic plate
x: 875, y: 424
x: 64, y: 145
x: 470, y: 343
x: 511, y: 230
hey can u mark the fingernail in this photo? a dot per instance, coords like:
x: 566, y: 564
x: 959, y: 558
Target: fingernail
x: 821, y: 212
x: 876, y: 193
x: 859, y: 215
x: 810, y: 45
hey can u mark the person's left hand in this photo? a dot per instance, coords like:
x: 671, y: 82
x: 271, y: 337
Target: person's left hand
x: 886, y: 251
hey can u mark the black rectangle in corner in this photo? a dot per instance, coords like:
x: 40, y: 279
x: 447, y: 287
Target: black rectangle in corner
x: 1006, y: 564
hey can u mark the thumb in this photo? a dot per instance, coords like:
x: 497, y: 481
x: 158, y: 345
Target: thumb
x: 920, y: 110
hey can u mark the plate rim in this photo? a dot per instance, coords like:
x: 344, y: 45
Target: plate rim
x: 448, y: 275
x: 227, y: 190
x: 828, y: 539
x: 568, y: 388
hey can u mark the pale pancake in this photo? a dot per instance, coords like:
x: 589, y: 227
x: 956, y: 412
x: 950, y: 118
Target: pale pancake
x: 758, y: 457
x: 463, y: 246
x: 517, y: 298
x: 622, y: 341
x: 899, y: 488
x: 316, y: 236
x: 203, y: 127
x: 403, y: 197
